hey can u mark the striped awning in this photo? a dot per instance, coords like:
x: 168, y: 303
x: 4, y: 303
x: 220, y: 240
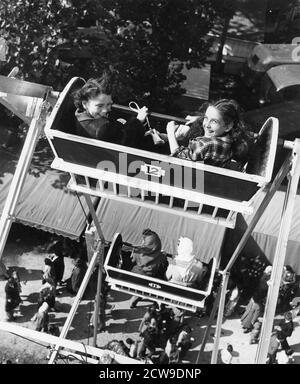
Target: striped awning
x: 45, y: 201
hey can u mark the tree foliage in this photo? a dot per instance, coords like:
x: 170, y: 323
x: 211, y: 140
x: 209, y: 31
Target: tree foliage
x: 136, y: 39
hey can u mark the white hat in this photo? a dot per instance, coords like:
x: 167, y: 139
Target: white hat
x: 185, y: 245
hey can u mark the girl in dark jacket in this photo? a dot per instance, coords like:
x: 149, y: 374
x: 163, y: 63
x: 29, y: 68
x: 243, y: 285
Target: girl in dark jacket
x: 94, y: 119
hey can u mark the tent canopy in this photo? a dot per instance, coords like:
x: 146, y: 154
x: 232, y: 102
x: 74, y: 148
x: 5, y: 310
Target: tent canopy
x: 130, y: 220
x: 264, y: 237
x: 45, y: 202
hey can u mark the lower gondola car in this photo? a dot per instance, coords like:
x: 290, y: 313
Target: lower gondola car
x: 117, y: 266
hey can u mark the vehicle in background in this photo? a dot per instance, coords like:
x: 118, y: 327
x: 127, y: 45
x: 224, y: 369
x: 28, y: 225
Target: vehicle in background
x: 272, y: 74
x: 263, y: 57
x: 280, y: 83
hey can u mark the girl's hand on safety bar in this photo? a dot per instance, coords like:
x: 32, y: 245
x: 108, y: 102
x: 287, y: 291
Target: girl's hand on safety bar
x: 182, y: 131
x: 190, y: 119
x: 172, y: 127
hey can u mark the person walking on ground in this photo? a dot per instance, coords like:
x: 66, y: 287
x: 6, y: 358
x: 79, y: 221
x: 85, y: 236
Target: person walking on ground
x: 255, y: 333
x: 149, y: 340
x: 77, y: 275
x: 151, y: 312
x: 59, y: 250
x: 47, y: 294
x: 12, y: 299
x: 252, y: 312
x: 16, y: 276
x: 133, y: 347
x: 273, y: 348
x: 48, y: 273
x: 226, y: 355
x: 101, y: 314
x: 286, y: 329
x: 3, y: 270
x: 42, y: 318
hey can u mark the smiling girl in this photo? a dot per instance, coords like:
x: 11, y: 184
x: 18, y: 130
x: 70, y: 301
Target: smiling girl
x: 221, y: 136
x: 93, y: 115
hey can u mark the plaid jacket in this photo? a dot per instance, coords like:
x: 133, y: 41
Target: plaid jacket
x: 215, y: 151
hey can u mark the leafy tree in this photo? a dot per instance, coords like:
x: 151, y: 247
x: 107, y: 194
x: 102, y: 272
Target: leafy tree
x: 136, y: 39
x: 226, y: 10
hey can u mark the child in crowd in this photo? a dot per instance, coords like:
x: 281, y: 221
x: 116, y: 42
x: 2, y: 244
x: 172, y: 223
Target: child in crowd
x: 254, y: 335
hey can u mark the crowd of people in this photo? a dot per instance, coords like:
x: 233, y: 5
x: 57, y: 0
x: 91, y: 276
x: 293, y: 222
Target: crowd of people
x: 52, y: 283
x: 249, y: 284
x: 164, y: 337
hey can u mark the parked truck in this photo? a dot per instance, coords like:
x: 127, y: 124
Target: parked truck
x: 273, y: 73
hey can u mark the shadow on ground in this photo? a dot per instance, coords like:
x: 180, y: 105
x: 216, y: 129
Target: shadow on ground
x: 26, y: 274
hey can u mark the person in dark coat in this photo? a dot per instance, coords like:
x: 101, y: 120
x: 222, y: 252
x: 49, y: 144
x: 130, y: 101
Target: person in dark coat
x: 94, y: 118
x: 151, y: 312
x: 149, y: 339
x: 286, y: 329
x: 288, y: 288
x: 78, y: 272
x: 149, y: 260
x: 3, y: 270
x: 48, y: 273
x: 252, y: 312
x: 59, y: 250
x: 12, y: 299
x: 273, y: 348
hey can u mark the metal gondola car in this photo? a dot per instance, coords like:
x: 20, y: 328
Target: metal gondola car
x: 192, y: 189
x: 122, y: 279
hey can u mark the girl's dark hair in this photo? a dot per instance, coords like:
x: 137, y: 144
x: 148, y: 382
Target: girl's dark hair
x: 148, y: 232
x: 93, y: 88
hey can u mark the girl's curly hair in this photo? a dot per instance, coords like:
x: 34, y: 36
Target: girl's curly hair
x: 93, y: 88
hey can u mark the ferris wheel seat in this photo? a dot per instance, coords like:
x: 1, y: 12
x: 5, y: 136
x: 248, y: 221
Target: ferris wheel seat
x: 180, y: 295
x: 192, y: 189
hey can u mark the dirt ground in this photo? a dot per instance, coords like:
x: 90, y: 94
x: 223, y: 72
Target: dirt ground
x: 27, y: 255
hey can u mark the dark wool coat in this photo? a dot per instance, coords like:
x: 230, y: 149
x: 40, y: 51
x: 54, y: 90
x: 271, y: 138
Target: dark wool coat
x: 130, y: 134
x: 12, y: 296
